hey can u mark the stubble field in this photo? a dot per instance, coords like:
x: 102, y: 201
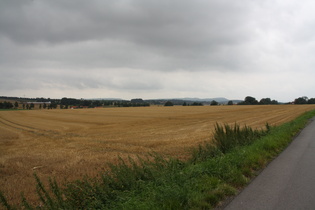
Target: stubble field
x: 68, y: 144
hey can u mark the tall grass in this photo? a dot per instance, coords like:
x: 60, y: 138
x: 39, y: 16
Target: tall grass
x: 227, y: 137
x: 216, y: 170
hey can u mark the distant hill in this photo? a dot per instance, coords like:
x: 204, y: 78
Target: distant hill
x: 219, y: 99
x: 180, y: 101
x: 106, y: 99
x: 176, y: 101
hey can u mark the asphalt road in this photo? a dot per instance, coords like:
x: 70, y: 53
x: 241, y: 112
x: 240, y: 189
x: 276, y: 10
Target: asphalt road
x: 288, y: 182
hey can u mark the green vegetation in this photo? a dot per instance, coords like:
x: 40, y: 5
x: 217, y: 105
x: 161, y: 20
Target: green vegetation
x: 6, y: 105
x: 304, y: 100
x: 249, y: 100
x: 196, y: 104
x: 214, y: 103
x: 71, y: 102
x: 168, y: 103
x: 230, y: 103
x: 214, y: 172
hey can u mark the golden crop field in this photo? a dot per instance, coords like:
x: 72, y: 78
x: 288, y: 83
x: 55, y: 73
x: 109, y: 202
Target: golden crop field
x: 67, y: 144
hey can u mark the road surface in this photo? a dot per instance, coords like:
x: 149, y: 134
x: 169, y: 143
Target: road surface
x: 288, y: 182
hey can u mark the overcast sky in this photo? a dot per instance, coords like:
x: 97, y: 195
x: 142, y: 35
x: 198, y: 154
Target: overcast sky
x: 157, y: 49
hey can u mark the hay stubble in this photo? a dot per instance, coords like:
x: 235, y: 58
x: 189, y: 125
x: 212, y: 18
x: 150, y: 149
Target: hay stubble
x: 67, y: 144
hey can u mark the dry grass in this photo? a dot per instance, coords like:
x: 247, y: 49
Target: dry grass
x: 68, y: 144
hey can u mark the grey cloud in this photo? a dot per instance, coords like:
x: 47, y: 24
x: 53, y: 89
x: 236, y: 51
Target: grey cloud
x: 170, y: 22
x: 80, y: 79
x: 177, y: 34
x: 121, y: 45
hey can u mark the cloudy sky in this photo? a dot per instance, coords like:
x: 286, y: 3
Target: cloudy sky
x: 157, y: 49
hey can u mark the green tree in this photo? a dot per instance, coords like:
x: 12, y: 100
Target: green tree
x: 137, y: 101
x: 214, y: 103
x: 6, y: 105
x: 16, y: 105
x: 53, y: 105
x: 249, y: 100
x: 168, y: 103
x: 96, y: 103
x: 196, y: 104
x: 301, y: 100
x: 230, y: 103
x: 265, y: 101
x: 311, y: 101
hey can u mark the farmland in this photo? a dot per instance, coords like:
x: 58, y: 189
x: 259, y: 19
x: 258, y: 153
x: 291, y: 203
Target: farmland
x: 68, y: 144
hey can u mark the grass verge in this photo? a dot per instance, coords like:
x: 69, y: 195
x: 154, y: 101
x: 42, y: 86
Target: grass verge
x: 214, y: 172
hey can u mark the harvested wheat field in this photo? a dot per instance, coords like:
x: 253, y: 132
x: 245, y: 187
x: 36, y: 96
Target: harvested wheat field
x: 67, y: 144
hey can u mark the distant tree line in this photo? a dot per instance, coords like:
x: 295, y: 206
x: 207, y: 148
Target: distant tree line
x: 67, y: 102
x: 304, y: 100
x: 193, y: 104
x: 249, y: 100
x: 214, y: 103
x: 164, y: 101
x: 129, y: 104
x: 6, y: 105
x: 170, y: 103
x: 197, y: 104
